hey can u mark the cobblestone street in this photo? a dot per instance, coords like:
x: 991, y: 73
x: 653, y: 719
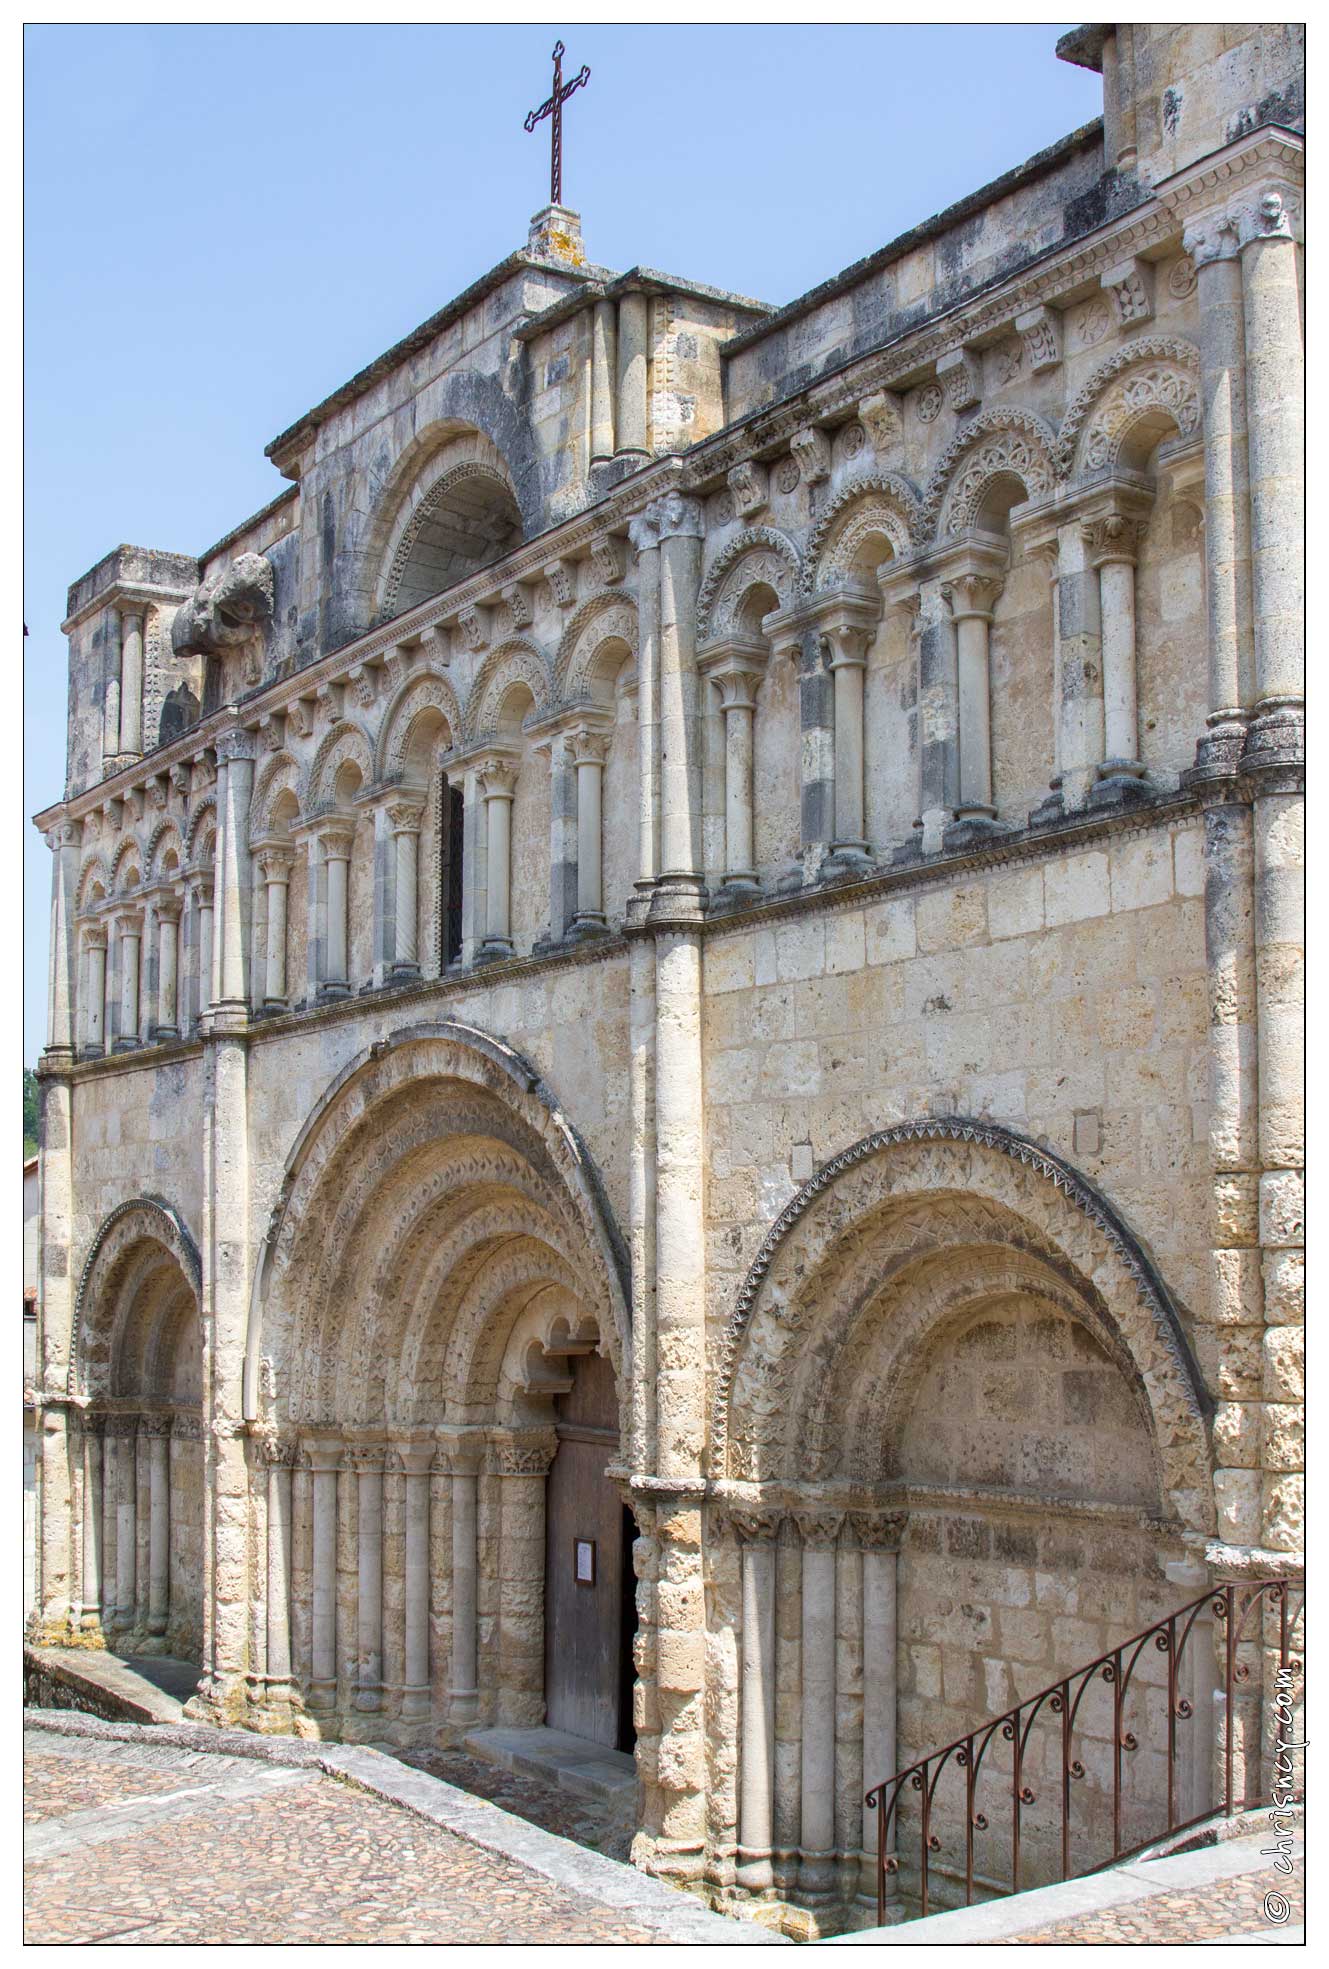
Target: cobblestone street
x: 259, y: 1852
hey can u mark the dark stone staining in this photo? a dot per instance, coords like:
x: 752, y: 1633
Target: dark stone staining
x: 1171, y: 111
x: 180, y: 710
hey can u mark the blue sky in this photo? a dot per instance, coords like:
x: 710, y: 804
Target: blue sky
x: 224, y: 223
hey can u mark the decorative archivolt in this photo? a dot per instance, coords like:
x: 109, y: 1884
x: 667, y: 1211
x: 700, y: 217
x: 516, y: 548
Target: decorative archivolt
x: 128, y: 862
x: 602, y: 619
x: 201, y: 818
x: 361, y: 1137
x: 142, y: 1220
x: 511, y: 663
x: 276, y: 776
x: 996, y: 444
x: 928, y: 1188
x: 418, y: 694
x: 94, y: 870
x: 345, y: 744
x: 759, y: 556
x: 164, y: 838
x: 882, y: 505
x: 1157, y: 375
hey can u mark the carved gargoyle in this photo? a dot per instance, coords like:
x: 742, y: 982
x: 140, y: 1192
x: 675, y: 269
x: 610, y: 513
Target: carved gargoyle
x: 225, y: 610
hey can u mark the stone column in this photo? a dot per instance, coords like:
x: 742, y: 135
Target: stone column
x: 63, y: 841
x: 110, y: 1518
x: 111, y: 708
x: 849, y: 639
x: 235, y: 866
x: 131, y: 937
x: 324, y: 1459
x: 280, y: 1457
x: 1113, y: 540
x: 131, y: 680
x: 159, y: 1545
x: 1214, y: 246
x: 1080, y: 653
x: 367, y: 1462
x: 938, y: 715
x: 973, y: 598
x: 1274, y: 414
x: 523, y: 1465
x: 404, y: 817
x: 681, y: 529
x: 498, y: 784
x: 91, y: 1609
x: 878, y: 1537
x: 274, y: 866
x: 632, y: 353
x: 94, y: 1005
x: 757, y: 1531
x: 203, y: 908
x: 817, y: 1870
x: 126, y: 1519
x: 336, y: 863
x: 417, y: 1461
x: 463, y: 1693
x: 736, y: 670
x: 589, y: 750
x: 604, y: 367
x: 562, y: 835
x: 168, y: 967
x: 644, y: 533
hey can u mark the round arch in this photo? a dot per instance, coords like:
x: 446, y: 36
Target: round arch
x: 758, y: 557
x: 1140, y: 394
x: 855, y: 1238
x: 994, y: 450
x: 141, y: 1225
x: 880, y: 508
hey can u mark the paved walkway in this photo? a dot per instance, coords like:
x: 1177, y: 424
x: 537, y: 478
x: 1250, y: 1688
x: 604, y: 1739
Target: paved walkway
x: 188, y: 1835
x: 1231, y: 1892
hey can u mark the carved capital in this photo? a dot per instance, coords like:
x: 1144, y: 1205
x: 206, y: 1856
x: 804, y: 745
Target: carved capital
x: 321, y: 1454
x: 1270, y: 216
x: 644, y: 530
x: 818, y: 1529
x: 749, y: 484
x: 64, y: 834
x: 960, y: 373
x: 754, y: 1526
x: 878, y: 1531
x: 235, y: 746
x: 405, y: 816
x: 589, y: 747
x: 1113, y: 536
x: 974, y: 595
x: 497, y: 776
x: 680, y: 515
x: 275, y: 864
x: 413, y: 1459
x: 1216, y: 236
x: 811, y: 450
x: 526, y: 1455
x: 365, y: 1459
x: 1131, y: 285
x: 338, y: 837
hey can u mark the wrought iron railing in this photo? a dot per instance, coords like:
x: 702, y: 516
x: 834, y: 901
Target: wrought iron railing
x: 1231, y: 1605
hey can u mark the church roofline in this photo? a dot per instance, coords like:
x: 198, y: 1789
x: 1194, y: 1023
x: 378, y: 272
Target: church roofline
x: 1033, y: 167
x: 637, y: 280
x: 365, y: 379
x: 284, y: 497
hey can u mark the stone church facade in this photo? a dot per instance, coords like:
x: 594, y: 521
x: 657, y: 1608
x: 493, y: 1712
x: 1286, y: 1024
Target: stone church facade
x: 674, y: 1091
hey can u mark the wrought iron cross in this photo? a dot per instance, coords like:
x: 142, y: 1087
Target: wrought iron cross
x: 554, y: 110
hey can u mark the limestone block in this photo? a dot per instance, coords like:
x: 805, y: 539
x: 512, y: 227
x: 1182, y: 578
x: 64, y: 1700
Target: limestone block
x: 890, y: 931
x: 1188, y: 862
x: 728, y: 965
x: 1015, y: 903
x: 1283, y: 1506
x: 845, y: 942
x: 800, y: 949
x: 1077, y: 888
x: 1282, y: 1208
x: 1237, y: 1208
x: 1284, y: 1287
x: 1236, y: 1296
x: 947, y: 919
x: 1231, y: 1360
x: 679, y: 1660
x: 1284, y: 1364
x: 1237, y: 1496
x: 1141, y: 868
x: 1236, y: 1434
x: 1283, y: 1436
x: 1025, y: 1634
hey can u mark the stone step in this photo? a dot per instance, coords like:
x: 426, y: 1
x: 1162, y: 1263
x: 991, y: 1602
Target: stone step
x: 587, y: 1769
x: 119, y: 1688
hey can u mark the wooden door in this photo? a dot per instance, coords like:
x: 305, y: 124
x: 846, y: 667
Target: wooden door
x: 584, y: 1564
